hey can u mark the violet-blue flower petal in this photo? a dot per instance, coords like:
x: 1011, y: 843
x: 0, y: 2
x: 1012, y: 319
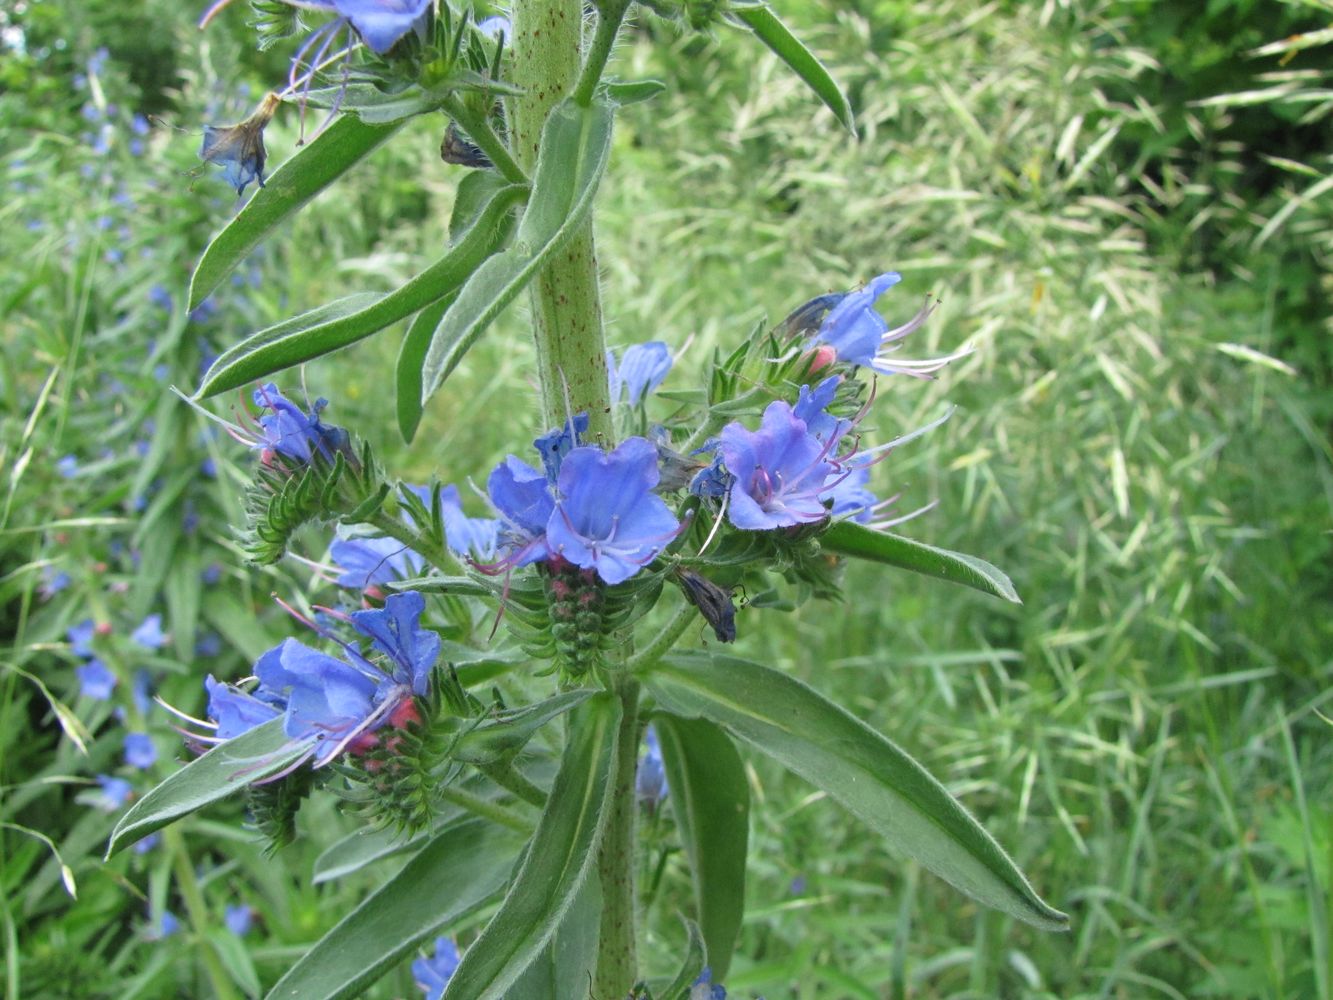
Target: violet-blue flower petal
x: 396, y: 631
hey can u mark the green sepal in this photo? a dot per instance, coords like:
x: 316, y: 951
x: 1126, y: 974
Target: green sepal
x: 559, y: 858
x: 710, y: 800
x: 870, y: 776
x: 851, y: 539
x: 787, y: 47
x: 575, y: 146
x: 309, y: 171
x: 224, y: 770
x: 317, y: 333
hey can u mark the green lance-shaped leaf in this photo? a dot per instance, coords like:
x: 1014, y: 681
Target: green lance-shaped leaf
x: 411, y: 358
x: 575, y: 145
x: 331, y: 327
x: 710, y: 799
x: 851, y: 539
x: 225, y: 769
x: 787, y: 47
x: 856, y: 766
x: 452, y: 877
x: 559, y: 857
x: 313, y: 168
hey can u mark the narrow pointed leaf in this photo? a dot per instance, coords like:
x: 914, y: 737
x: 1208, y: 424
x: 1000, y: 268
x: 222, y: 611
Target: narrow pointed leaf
x: 411, y: 357
x: 558, y: 860
x: 310, y: 170
x: 624, y: 92
x: 870, y: 776
x: 224, y: 770
x: 575, y: 145
x: 851, y: 539
x: 692, y: 965
x: 320, y: 331
x: 787, y: 47
x: 567, y: 965
x: 452, y: 877
x: 710, y: 800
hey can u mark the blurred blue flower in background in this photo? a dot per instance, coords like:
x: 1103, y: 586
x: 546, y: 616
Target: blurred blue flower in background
x: 149, y: 634
x: 432, y: 974
x: 239, y: 918
x: 650, y: 781
x: 139, y: 750
x: 96, y: 680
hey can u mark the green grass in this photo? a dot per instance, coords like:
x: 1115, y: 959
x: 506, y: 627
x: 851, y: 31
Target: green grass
x: 1139, y: 442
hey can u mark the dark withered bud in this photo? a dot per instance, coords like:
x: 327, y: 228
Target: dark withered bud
x: 239, y: 149
x: 457, y: 149
x: 807, y: 317
x: 713, y: 602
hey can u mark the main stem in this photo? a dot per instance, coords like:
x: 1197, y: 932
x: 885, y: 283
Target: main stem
x: 566, y: 304
x: 571, y: 365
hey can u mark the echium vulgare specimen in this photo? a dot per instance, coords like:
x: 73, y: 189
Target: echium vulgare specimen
x: 648, y: 531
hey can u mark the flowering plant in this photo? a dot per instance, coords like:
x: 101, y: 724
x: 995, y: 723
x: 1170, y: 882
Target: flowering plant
x: 597, y: 560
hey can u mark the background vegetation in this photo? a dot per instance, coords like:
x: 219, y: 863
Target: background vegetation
x: 1125, y: 209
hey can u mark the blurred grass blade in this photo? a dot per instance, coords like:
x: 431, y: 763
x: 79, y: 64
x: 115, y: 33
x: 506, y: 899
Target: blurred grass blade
x: 561, y: 853
x: 787, y: 47
x: 411, y: 358
x: 313, y: 168
x: 710, y: 799
x: 223, y: 771
x: 848, y: 538
x: 870, y: 776
x: 453, y: 876
x: 575, y: 145
x: 329, y: 328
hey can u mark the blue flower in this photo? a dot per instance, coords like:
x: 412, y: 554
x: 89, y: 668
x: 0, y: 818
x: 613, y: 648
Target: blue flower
x: 372, y: 562
x: 207, y: 644
x: 704, y: 988
x: 640, y: 371
x: 380, y: 23
x: 53, y: 581
x: 554, y: 445
x: 149, y: 634
x: 165, y: 925
x: 432, y: 974
x: 68, y: 467
x: 812, y: 408
x: 81, y: 637
x: 859, y: 335
x: 607, y: 517
x: 650, y: 782
x: 291, y: 431
x: 139, y: 750
x: 522, y: 497
x: 96, y: 681
x: 466, y: 536
x: 780, y: 471
x: 238, y: 919
x: 335, y: 705
x: 849, y: 495
x: 141, y: 690
x: 237, y: 712
x: 239, y: 149
x: 148, y: 843
x: 114, y: 792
